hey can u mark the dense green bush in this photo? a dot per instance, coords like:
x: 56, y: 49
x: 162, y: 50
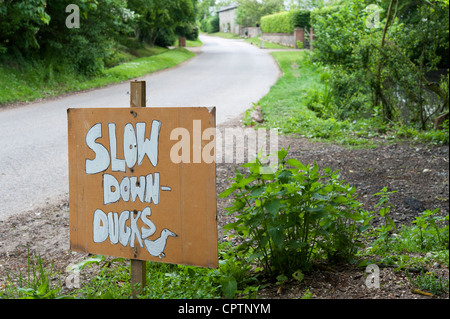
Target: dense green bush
x: 165, y: 37
x: 285, y: 22
x: 297, y: 214
x: 385, y: 69
x: 189, y: 31
x: 301, y: 19
x: 19, y: 23
x: 211, y: 24
x: 250, y: 12
x: 336, y: 33
x: 35, y: 30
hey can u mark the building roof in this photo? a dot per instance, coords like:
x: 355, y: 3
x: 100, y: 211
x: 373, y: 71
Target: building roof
x: 229, y: 7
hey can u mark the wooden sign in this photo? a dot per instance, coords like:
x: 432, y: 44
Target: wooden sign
x: 132, y: 192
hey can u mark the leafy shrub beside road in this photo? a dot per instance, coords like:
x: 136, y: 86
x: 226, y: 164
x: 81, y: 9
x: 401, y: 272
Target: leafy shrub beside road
x: 298, y: 214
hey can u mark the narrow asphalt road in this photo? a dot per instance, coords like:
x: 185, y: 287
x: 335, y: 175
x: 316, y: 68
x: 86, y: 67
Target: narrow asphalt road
x: 228, y: 74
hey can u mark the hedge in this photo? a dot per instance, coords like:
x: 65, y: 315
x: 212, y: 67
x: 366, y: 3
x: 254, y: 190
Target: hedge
x: 286, y: 22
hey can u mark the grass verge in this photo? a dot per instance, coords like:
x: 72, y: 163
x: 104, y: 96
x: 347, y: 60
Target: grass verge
x: 225, y: 35
x: 35, y: 80
x: 267, y: 45
x: 190, y: 43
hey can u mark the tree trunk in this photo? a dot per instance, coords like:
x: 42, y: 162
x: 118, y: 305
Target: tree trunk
x: 379, y: 98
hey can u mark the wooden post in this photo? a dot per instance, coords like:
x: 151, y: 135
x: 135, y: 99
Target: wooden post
x: 137, y: 94
x: 138, y: 267
x: 182, y: 42
x: 138, y: 274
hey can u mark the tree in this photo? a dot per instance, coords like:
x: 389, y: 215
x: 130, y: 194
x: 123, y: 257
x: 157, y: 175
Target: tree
x: 250, y: 12
x: 36, y: 29
x: 161, y: 17
x: 85, y: 48
x: 309, y: 4
x: 386, y: 69
x: 20, y: 21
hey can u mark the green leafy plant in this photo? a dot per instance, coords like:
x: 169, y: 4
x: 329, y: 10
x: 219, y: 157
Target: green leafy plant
x: 233, y: 272
x: 428, y: 231
x: 429, y: 282
x: 287, y: 218
x: 320, y: 99
x: 307, y: 294
x: 384, y: 231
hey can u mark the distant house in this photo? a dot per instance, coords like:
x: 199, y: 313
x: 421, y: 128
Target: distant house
x: 227, y: 18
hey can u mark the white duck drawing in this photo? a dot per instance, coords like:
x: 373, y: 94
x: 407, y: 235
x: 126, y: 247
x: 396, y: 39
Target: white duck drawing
x: 156, y: 247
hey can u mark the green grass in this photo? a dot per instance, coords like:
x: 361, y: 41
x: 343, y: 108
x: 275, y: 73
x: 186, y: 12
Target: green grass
x: 35, y: 80
x: 267, y: 45
x: 39, y: 282
x: 191, y: 44
x: 163, y: 281
x: 168, y: 281
x: 110, y: 279
x: 139, y: 67
x: 225, y: 35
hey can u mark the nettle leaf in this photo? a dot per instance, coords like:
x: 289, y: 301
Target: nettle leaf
x: 229, y: 287
x: 267, y: 177
x: 296, y: 244
x: 391, y: 222
x: 362, y: 229
x: 298, y: 275
x: 282, y: 154
x: 285, y: 176
x: 244, y: 182
x: 340, y: 199
x: 296, y: 163
x: 276, y: 233
x: 320, y: 197
x: 257, y: 191
x: 317, y: 212
x: 257, y: 255
x: 273, y: 206
x: 227, y: 192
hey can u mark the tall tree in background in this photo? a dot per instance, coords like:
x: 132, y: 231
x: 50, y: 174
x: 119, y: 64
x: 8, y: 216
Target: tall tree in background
x: 36, y: 29
x: 392, y: 69
x: 250, y: 12
x: 160, y: 17
x: 20, y: 21
x: 308, y: 4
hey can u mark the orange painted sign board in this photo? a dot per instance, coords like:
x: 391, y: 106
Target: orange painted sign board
x: 131, y: 195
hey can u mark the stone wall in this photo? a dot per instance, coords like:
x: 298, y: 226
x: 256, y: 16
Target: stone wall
x: 252, y: 32
x: 290, y: 39
x: 285, y: 39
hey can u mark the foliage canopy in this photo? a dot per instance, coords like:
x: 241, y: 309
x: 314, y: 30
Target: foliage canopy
x: 36, y: 29
x: 386, y: 58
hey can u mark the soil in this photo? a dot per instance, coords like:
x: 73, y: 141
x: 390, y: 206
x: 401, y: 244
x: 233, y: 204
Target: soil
x: 419, y: 172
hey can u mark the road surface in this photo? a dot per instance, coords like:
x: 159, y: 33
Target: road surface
x: 228, y: 74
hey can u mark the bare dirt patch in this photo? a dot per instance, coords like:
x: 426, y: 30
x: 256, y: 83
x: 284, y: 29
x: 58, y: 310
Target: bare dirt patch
x: 420, y: 174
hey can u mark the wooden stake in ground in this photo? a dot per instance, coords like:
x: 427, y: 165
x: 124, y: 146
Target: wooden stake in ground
x: 138, y: 267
